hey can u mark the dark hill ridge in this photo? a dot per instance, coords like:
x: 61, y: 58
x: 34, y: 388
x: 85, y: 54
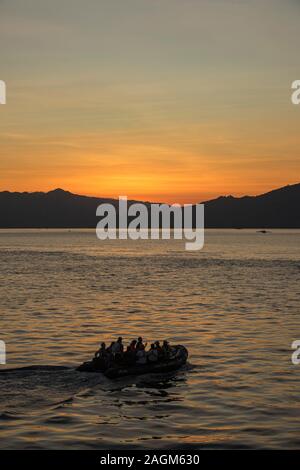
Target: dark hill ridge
x: 62, y: 209
x: 55, y: 209
x: 276, y: 209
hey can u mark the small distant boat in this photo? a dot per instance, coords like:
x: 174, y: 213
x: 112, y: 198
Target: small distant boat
x: 177, y: 360
x: 263, y: 231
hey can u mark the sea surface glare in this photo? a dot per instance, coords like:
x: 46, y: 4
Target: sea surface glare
x: 235, y: 305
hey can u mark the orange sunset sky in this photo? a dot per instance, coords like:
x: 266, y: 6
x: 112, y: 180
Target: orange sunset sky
x: 171, y: 100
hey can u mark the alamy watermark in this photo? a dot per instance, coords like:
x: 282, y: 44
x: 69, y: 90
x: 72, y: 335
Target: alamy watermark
x: 296, y: 94
x: 154, y: 221
x: 2, y: 92
x: 2, y: 353
x: 296, y: 354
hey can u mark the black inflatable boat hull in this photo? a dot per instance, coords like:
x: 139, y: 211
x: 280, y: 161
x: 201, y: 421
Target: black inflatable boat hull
x: 159, y: 368
x: 92, y: 366
x: 123, y: 370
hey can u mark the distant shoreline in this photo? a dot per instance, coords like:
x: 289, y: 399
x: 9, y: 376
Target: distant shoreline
x: 59, y: 209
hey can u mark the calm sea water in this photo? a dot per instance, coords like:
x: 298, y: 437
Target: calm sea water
x: 235, y: 305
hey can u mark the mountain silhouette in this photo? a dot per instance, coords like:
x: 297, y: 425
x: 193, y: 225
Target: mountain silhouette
x: 62, y: 209
x: 276, y: 209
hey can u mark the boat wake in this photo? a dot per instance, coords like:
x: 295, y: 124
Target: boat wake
x: 47, y: 368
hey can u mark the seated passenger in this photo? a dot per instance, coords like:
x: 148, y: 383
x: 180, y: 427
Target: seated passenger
x: 166, y: 349
x: 141, y: 357
x: 132, y: 345
x: 158, y: 348
x: 152, y: 354
x: 117, y: 350
x: 118, y: 347
x: 109, y: 354
x: 129, y: 355
x: 139, y: 344
x: 120, y: 339
x: 101, y: 353
x: 101, y: 357
x: 110, y: 348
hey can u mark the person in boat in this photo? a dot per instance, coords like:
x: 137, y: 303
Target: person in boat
x: 132, y: 345
x: 110, y: 348
x: 158, y: 349
x: 166, y: 349
x: 101, y: 353
x: 121, y: 346
x: 118, y: 347
x: 109, y: 354
x: 101, y: 358
x: 152, y: 354
x: 129, y: 355
x: 117, y: 350
x: 141, y: 357
x: 140, y: 344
